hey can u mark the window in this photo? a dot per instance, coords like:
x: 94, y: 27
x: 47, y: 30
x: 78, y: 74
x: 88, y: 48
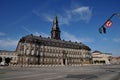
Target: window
x: 27, y: 52
x: 26, y: 59
x: 31, y: 59
x: 32, y: 52
x: 36, y: 59
x: 41, y: 54
x: 44, y: 54
x: 37, y: 52
x: 33, y: 45
x: 21, y: 52
x: 41, y: 46
x: 56, y: 54
x: 20, y: 59
x: 14, y: 58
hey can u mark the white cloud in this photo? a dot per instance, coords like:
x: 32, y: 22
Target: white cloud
x: 67, y: 36
x: 8, y: 43
x: 26, y: 29
x: 83, y: 13
x: 48, y: 18
x: 77, y: 14
x: 2, y: 34
x: 86, y: 39
x: 41, y: 33
x: 35, y: 33
x: 36, y: 13
x: 64, y: 19
x: 116, y: 40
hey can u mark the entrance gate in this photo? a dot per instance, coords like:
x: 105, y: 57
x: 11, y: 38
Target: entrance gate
x: 64, y: 58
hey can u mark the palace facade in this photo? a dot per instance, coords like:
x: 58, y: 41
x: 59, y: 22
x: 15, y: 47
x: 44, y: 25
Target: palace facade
x: 8, y: 57
x: 101, y: 58
x: 38, y: 50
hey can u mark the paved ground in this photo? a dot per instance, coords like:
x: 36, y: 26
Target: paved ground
x: 91, y: 72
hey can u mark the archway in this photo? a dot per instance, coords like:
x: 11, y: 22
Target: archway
x: 7, y: 60
x: 64, y: 58
x: 0, y: 59
x: 64, y: 61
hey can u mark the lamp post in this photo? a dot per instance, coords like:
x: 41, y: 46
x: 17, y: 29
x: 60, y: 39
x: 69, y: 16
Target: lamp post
x: 108, y: 23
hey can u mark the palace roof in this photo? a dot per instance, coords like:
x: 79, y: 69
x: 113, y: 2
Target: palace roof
x: 39, y: 40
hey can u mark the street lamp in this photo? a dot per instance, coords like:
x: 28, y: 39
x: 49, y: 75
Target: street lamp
x: 108, y: 23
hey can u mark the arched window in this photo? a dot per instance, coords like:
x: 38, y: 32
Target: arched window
x: 36, y: 59
x: 27, y: 59
x: 0, y: 59
x: 21, y: 52
x: 32, y: 52
x: 27, y: 52
x: 20, y: 59
x: 37, y: 52
x: 41, y: 54
x: 31, y: 60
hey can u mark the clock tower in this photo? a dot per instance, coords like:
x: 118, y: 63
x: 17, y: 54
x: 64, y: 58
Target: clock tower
x: 55, y: 32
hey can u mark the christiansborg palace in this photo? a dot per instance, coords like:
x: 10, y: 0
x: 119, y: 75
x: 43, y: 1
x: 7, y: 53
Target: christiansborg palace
x: 38, y: 50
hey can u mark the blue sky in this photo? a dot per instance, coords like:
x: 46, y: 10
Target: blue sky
x: 79, y: 20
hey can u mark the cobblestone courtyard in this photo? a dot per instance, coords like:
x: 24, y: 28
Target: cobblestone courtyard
x: 90, y: 72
